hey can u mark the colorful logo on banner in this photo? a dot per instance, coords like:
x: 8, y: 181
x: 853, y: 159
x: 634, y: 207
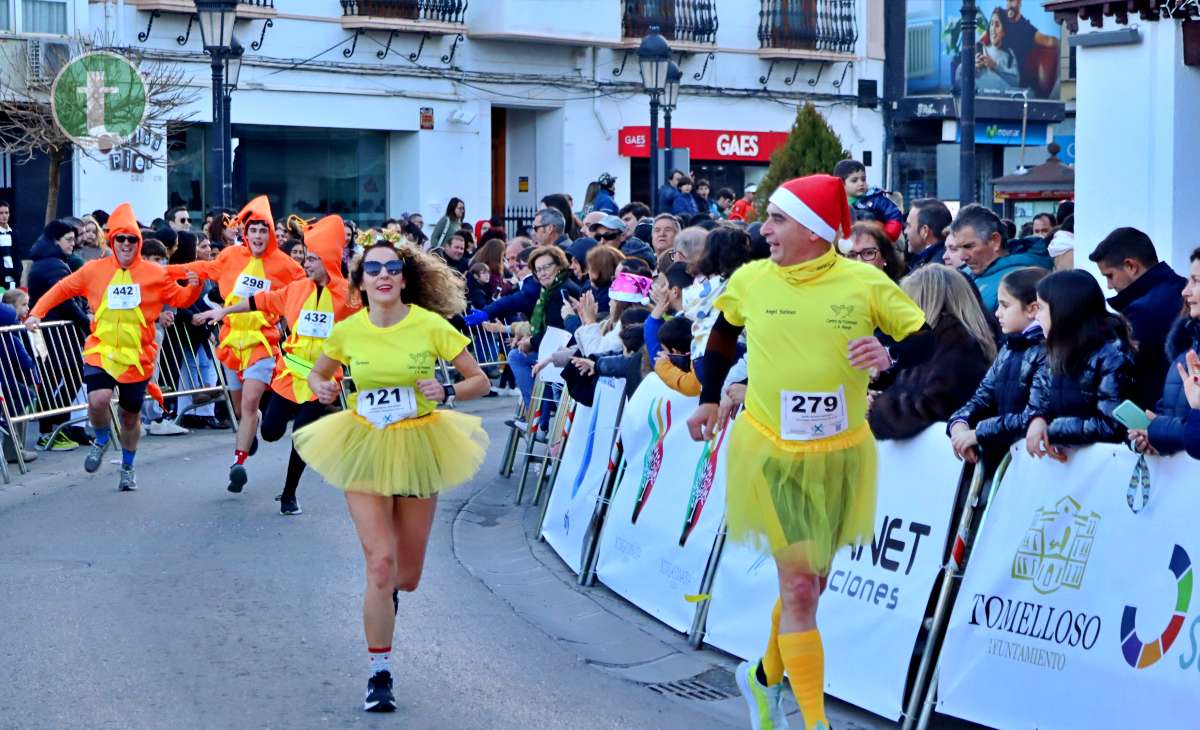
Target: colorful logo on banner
x: 706, y: 472
x: 660, y: 423
x: 1056, y: 547
x: 1140, y: 655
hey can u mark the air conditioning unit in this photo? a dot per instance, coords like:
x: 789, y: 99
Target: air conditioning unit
x: 46, y: 59
x: 921, y: 50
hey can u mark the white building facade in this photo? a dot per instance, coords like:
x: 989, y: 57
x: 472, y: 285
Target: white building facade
x: 374, y: 108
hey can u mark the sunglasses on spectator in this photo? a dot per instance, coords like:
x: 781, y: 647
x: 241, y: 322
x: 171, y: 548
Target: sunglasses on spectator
x: 123, y: 238
x: 546, y: 268
x: 867, y: 254
x: 375, y: 268
x: 184, y: 220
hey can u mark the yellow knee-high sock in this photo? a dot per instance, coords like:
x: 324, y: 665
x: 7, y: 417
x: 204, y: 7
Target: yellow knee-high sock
x: 772, y: 661
x: 805, y: 662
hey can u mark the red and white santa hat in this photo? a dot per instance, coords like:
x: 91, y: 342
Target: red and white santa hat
x: 817, y: 202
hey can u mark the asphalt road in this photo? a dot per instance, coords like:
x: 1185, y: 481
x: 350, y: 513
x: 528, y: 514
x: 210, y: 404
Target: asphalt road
x: 182, y: 606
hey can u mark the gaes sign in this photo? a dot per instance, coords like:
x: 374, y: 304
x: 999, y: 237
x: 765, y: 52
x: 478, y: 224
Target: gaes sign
x: 706, y: 144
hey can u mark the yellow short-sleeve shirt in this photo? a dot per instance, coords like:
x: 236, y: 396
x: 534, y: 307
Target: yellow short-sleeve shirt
x: 400, y: 355
x: 799, y: 322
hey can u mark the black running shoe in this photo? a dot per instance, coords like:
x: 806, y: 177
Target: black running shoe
x: 379, y: 693
x: 237, y: 478
x: 288, y: 505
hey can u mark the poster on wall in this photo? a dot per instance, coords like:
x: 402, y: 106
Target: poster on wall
x: 1017, y: 48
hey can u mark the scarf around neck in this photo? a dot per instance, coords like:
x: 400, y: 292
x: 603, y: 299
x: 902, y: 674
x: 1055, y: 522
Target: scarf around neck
x: 537, y: 322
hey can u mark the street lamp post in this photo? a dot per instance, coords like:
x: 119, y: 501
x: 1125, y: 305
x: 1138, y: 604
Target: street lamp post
x: 670, y: 99
x: 216, y: 31
x: 233, y: 69
x: 966, y: 116
x: 654, y: 56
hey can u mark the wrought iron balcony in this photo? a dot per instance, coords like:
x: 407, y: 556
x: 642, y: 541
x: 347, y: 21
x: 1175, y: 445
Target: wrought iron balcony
x: 436, y: 11
x: 828, y: 26
x: 258, y: 3
x: 685, y: 21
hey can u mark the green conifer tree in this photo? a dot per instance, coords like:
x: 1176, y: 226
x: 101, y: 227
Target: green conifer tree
x: 812, y: 147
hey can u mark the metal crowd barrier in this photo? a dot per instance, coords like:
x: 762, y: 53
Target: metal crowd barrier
x: 41, y: 374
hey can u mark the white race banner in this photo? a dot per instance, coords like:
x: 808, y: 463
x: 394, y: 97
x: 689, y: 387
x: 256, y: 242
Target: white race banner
x: 581, y: 472
x: 876, y: 595
x: 665, y: 512
x: 1075, y: 610
x: 553, y: 340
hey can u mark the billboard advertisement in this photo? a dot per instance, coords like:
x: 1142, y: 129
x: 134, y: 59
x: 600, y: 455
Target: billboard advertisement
x: 1017, y: 48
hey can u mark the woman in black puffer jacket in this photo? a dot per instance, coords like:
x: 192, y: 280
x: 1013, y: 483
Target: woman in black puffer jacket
x: 995, y: 416
x: 1089, y: 368
x: 930, y: 392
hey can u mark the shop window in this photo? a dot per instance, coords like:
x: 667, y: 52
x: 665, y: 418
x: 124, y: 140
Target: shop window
x: 5, y: 16
x: 186, y: 160
x: 313, y: 172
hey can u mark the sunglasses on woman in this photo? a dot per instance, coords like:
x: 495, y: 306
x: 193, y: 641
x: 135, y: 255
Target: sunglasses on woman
x: 375, y: 268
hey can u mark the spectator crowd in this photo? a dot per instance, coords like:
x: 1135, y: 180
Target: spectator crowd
x: 1027, y: 347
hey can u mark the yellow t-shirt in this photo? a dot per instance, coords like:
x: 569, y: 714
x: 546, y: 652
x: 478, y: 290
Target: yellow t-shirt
x: 799, y: 322
x: 400, y: 355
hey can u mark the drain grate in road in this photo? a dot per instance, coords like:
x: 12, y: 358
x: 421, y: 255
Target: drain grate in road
x: 690, y: 689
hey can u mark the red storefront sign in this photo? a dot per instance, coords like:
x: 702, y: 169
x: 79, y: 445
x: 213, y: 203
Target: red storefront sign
x: 705, y: 144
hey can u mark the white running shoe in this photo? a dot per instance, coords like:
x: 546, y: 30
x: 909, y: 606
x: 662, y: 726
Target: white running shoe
x: 765, y: 703
x: 165, y: 427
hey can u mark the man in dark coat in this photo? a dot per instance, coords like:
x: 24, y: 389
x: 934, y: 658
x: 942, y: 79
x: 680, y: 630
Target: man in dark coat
x: 1149, y: 295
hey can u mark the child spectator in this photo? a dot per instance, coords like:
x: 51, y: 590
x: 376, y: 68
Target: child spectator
x: 1089, y: 369
x: 667, y: 296
x: 632, y: 364
x: 1166, y: 432
x: 725, y: 249
x: 674, y: 363
x: 479, y: 285
x: 925, y: 394
x: 869, y: 200
x: 19, y: 301
x: 995, y: 416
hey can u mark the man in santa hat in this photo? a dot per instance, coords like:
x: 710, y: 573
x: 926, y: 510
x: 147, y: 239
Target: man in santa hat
x: 801, y: 470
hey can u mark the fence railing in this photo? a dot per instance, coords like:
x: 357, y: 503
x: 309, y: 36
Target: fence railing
x: 517, y: 219
x: 809, y: 25
x: 442, y: 11
x: 689, y: 21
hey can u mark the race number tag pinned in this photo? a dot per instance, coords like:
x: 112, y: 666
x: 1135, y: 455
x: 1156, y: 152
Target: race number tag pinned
x: 385, y: 406
x: 314, y: 323
x: 809, y: 416
x: 124, y: 296
x: 248, y: 285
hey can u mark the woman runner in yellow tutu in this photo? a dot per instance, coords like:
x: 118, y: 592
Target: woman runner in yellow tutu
x: 392, y: 451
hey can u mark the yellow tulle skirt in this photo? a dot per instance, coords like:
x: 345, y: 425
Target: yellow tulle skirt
x: 799, y: 500
x: 418, y: 457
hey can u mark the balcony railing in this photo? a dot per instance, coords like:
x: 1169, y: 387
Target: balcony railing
x: 440, y: 11
x: 808, y: 25
x: 258, y: 3
x: 686, y: 21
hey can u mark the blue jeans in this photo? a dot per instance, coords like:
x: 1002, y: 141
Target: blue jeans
x: 522, y: 368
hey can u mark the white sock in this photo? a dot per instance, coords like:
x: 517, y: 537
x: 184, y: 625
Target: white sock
x: 379, y: 658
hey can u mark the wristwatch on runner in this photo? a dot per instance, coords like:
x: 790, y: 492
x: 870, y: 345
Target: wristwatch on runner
x: 449, y: 394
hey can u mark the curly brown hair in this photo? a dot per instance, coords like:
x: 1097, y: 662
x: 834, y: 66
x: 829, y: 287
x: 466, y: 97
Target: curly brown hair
x: 429, y: 282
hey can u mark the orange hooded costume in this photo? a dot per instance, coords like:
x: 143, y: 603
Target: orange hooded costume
x: 126, y: 303
x: 247, y: 338
x: 310, y: 312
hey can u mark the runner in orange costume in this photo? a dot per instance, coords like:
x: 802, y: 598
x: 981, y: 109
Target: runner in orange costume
x: 310, y: 307
x: 248, y: 343
x: 126, y: 294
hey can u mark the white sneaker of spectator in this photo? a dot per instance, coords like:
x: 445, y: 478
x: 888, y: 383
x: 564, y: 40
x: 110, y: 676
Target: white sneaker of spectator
x: 165, y: 427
